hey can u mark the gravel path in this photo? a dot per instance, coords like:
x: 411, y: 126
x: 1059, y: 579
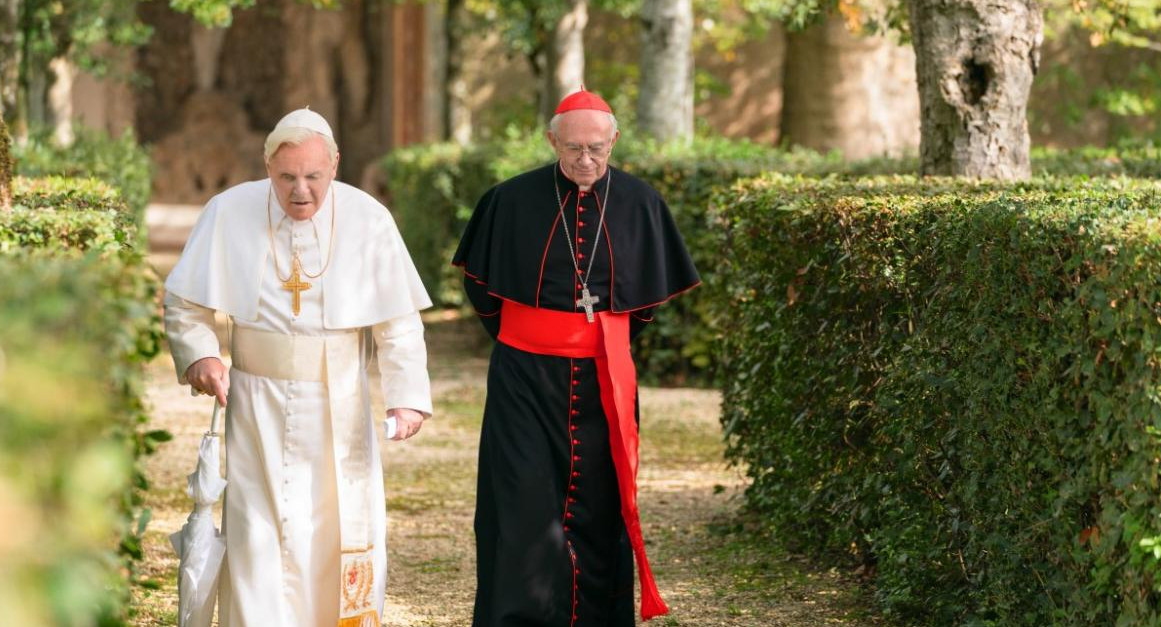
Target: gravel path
x: 710, y: 569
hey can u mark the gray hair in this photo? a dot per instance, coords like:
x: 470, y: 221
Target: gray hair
x: 554, y: 123
x: 295, y: 135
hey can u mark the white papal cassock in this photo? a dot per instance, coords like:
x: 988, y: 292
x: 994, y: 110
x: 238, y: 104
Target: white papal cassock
x: 305, y: 516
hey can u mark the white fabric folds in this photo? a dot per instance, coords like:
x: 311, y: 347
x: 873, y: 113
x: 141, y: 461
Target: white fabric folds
x: 372, y: 280
x: 199, y: 544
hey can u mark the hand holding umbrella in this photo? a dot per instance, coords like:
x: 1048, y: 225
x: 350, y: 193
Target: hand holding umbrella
x: 199, y: 544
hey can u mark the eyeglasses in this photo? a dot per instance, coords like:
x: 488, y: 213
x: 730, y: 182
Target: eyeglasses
x: 595, y: 151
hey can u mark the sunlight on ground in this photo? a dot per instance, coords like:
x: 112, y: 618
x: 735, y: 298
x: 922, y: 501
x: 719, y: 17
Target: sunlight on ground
x: 709, y: 572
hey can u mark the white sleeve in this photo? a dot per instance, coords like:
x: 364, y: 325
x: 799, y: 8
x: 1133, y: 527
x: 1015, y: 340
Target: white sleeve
x: 403, y: 363
x: 190, y: 330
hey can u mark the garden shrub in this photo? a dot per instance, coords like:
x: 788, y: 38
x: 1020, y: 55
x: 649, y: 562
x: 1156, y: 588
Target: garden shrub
x: 68, y: 214
x: 119, y: 161
x: 78, y: 319
x: 956, y: 384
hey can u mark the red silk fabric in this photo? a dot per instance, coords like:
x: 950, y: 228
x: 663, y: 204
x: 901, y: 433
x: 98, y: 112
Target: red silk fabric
x: 606, y: 341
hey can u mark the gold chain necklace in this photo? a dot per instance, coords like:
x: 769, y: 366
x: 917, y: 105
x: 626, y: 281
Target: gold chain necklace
x: 274, y: 249
x: 293, y: 283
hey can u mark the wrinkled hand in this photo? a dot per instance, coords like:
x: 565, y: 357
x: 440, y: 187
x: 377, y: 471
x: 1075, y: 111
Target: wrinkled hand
x: 407, y: 422
x: 209, y: 376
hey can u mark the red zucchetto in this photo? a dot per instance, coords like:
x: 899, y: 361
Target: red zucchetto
x: 583, y: 99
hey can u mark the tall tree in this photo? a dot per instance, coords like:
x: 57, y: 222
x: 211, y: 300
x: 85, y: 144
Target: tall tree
x: 549, y: 35
x: 7, y: 167
x: 457, y: 115
x: 665, y: 100
x: 9, y: 55
x: 849, y: 92
x: 566, y: 55
x: 975, y: 61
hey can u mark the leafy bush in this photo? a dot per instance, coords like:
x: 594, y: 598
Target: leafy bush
x: 120, y: 162
x: 957, y: 384
x: 67, y: 214
x: 78, y: 318
x: 1141, y: 160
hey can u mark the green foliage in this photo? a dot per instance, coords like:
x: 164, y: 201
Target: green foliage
x: 121, y: 162
x: 75, y: 28
x: 1139, y: 160
x: 67, y: 215
x: 78, y: 318
x: 956, y: 383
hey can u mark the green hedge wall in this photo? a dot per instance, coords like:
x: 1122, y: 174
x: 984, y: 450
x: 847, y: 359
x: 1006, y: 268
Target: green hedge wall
x: 119, y: 161
x: 958, y: 383
x: 435, y: 187
x: 78, y: 318
x: 67, y: 214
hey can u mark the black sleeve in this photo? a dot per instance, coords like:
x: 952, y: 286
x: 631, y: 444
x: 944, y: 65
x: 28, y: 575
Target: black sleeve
x: 487, y: 306
x: 638, y: 319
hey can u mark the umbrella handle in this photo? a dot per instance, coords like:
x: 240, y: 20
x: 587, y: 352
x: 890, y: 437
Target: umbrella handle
x: 214, y: 419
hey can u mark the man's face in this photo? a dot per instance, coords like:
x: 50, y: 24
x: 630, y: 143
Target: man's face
x: 583, y: 141
x: 301, y: 176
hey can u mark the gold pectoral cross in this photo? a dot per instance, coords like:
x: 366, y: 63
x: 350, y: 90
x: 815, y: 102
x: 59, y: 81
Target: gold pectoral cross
x: 295, y: 285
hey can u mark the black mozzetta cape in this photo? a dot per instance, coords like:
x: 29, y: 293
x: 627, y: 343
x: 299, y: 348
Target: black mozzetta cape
x: 515, y: 233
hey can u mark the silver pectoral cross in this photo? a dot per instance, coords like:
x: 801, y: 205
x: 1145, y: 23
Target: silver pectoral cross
x: 587, y: 301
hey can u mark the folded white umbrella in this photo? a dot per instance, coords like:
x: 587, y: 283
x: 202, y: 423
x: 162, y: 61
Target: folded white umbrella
x: 199, y: 544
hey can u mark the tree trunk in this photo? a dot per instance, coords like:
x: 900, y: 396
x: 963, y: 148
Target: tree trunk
x: 849, y: 93
x: 566, y: 57
x: 665, y: 102
x: 457, y: 122
x: 59, y: 100
x: 9, y: 56
x: 975, y: 61
x: 7, y: 167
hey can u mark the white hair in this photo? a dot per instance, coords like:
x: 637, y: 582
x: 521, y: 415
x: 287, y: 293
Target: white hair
x: 554, y: 123
x: 295, y: 135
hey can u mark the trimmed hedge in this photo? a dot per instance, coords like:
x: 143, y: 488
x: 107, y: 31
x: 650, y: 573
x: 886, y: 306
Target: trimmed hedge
x: 68, y: 214
x: 119, y: 161
x: 434, y: 189
x: 957, y: 383
x: 78, y: 318
x: 1140, y: 160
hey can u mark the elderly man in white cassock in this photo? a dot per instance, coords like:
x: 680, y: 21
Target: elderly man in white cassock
x: 310, y: 272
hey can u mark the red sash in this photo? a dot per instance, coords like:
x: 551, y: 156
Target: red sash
x: 565, y: 334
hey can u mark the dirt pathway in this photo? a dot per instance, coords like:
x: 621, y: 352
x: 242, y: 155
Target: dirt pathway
x: 709, y: 570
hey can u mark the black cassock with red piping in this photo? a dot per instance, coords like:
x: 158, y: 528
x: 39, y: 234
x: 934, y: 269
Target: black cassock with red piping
x: 553, y: 544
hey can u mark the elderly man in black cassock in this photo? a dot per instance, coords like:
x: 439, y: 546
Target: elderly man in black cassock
x: 564, y: 265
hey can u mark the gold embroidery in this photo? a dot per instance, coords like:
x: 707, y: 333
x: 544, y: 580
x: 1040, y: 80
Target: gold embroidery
x: 358, y: 581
